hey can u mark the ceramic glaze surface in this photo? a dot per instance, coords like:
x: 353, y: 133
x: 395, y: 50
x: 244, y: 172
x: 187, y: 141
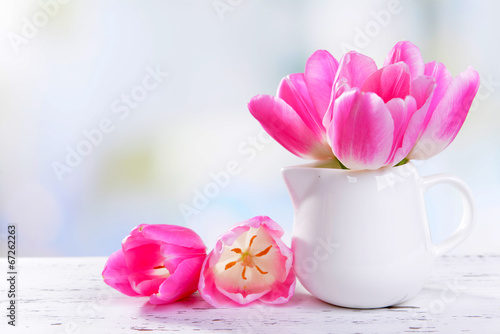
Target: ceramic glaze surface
x: 361, y: 238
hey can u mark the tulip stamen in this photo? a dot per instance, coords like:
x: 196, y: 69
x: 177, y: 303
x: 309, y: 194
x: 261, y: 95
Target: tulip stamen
x: 260, y: 270
x: 243, y: 272
x: 229, y: 265
x: 246, y: 259
x: 251, y: 241
x: 264, y: 252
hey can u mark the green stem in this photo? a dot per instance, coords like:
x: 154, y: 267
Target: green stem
x: 402, y: 162
x: 341, y: 164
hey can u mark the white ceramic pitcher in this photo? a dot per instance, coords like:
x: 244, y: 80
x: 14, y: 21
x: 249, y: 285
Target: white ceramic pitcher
x: 361, y: 238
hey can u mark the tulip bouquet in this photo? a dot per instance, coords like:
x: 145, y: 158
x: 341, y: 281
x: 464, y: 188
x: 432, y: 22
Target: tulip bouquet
x: 351, y: 111
x: 365, y: 117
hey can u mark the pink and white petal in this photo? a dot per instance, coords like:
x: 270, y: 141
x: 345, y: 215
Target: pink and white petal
x: 449, y: 116
x: 270, y: 225
x: 234, y: 234
x: 285, y: 252
x: 174, y: 255
x: 230, y: 237
x: 390, y: 82
x: 143, y: 257
x: 423, y: 89
x: 268, y: 264
x: 400, y: 114
x: 408, y: 53
x: 293, y: 90
x: 206, y: 286
x: 442, y: 78
x: 147, y: 283
x: 287, y: 128
x: 362, y: 130
x: 173, y: 234
x: 182, y: 283
x: 354, y: 69
x: 320, y: 71
x: 116, y: 273
x: 412, y: 127
x: 281, y: 292
x: 243, y: 299
x: 230, y: 282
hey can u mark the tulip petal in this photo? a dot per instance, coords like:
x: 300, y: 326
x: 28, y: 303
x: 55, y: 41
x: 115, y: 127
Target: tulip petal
x: 143, y: 257
x: 448, y: 117
x: 423, y: 89
x: 442, y: 77
x: 286, y: 127
x: 147, y: 282
x: 173, y: 234
x: 152, y: 255
x: 229, y: 280
x: 402, y: 112
x: 282, y: 292
x: 392, y: 81
x: 417, y: 114
x: 206, y: 285
x: 116, y: 274
x: 182, y: 283
x: 253, y: 264
x: 319, y: 75
x: 408, y: 53
x: 353, y: 70
x: 293, y: 90
x: 174, y: 255
x: 362, y: 130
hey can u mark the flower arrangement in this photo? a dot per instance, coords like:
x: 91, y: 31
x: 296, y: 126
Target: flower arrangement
x: 349, y: 111
x: 365, y: 117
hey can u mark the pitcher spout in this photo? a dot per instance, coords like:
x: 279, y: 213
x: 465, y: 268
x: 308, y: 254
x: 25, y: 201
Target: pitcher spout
x: 299, y: 182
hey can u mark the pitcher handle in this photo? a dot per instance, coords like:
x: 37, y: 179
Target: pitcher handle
x: 467, y: 223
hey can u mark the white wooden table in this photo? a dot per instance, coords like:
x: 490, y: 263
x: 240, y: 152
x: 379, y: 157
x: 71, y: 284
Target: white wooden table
x: 67, y: 295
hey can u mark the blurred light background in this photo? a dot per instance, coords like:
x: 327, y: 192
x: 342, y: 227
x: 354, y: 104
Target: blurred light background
x: 68, y: 68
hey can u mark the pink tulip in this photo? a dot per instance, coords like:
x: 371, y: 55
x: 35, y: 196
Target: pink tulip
x: 160, y: 261
x: 295, y: 117
x: 406, y: 109
x: 375, y: 117
x: 249, y: 262
x: 450, y: 102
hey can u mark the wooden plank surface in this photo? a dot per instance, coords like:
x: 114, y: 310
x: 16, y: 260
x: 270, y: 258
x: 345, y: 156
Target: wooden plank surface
x: 67, y: 295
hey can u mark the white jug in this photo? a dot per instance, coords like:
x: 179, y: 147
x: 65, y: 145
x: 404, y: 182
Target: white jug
x: 361, y: 238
